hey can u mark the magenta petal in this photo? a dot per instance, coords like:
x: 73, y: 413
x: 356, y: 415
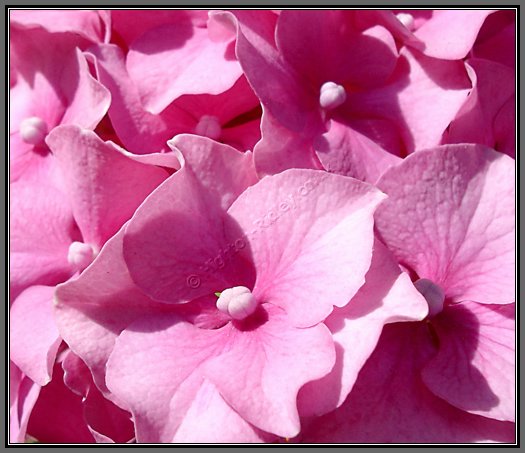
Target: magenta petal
x: 188, y: 62
x: 176, y: 244
x: 450, y: 34
x: 310, y: 236
x: 449, y: 216
x: 474, y: 369
x: 33, y: 334
x: 390, y: 403
x: 104, y: 184
x: 387, y: 296
x: 346, y: 152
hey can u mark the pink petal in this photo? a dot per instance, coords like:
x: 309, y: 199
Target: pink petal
x: 23, y: 393
x: 387, y: 296
x: 422, y: 98
x: 274, y: 81
x: 475, y: 123
x: 58, y: 416
x: 33, y: 335
x: 346, y: 152
x: 104, y: 184
x: 188, y: 62
x: 310, y: 238
x: 87, y: 24
x: 140, y: 131
x: 474, y: 369
x: 450, y: 34
x: 280, y: 148
x: 390, y: 404
x: 496, y: 40
x: 466, y: 244
x: 42, y: 228
x: 93, y: 309
x: 323, y: 46
x: 209, y: 419
x: 177, y: 237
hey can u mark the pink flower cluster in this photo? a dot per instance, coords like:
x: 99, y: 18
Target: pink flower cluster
x: 262, y: 226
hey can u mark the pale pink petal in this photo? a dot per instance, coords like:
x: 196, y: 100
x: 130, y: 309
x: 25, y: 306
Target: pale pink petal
x: 87, y: 24
x: 387, y: 296
x: 390, y: 404
x: 449, y: 216
x: 33, y: 335
x: 474, y: 369
x: 450, y: 34
x: 105, y: 185
x: 178, y: 235
x: 209, y: 419
x: 23, y: 393
x: 346, y: 152
x: 188, y: 62
x: 93, y: 309
x: 310, y: 238
x: 41, y: 231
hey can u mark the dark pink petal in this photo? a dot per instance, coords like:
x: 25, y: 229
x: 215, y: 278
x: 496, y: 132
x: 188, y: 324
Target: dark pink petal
x: 127, y: 28
x: 450, y: 34
x: 323, y: 46
x: 58, y: 416
x: 346, y: 152
x: 93, y: 309
x: 505, y: 128
x: 106, y: 421
x: 23, y: 393
x: 474, y: 369
x: 310, y: 238
x: 87, y: 24
x: 104, y: 184
x: 33, y: 334
x: 387, y: 296
x: 178, y: 236
x: 449, y: 216
x: 390, y: 403
x: 496, y: 40
x: 188, y: 62
x: 42, y: 229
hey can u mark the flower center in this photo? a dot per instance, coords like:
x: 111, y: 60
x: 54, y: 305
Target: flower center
x: 80, y: 255
x: 237, y: 302
x: 332, y: 95
x: 407, y: 20
x: 433, y: 294
x: 33, y: 130
x: 209, y: 126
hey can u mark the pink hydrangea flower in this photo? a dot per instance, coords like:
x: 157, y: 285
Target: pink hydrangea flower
x: 449, y: 220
